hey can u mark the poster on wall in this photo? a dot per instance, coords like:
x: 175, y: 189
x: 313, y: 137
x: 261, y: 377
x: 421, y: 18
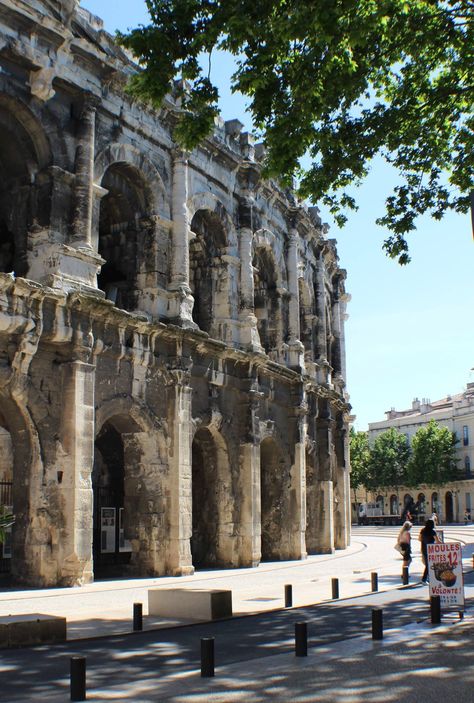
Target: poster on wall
x: 445, y: 574
x: 107, y: 530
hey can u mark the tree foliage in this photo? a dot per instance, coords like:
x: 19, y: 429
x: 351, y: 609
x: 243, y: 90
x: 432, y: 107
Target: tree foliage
x: 433, y: 459
x: 339, y: 81
x: 388, y: 459
x: 360, y: 459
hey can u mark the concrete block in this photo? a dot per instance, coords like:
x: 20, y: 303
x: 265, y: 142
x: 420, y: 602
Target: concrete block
x: 196, y: 604
x: 31, y: 629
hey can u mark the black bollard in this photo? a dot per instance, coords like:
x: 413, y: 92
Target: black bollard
x: 405, y: 576
x: 207, y: 656
x: 377, y: 624
x: 137, y: 617
x: 335, y: 588
x: 301, y: 639
x: 435, y: 608
x: 288, y: 596
x: 374, y: 581
x: 78, y: 678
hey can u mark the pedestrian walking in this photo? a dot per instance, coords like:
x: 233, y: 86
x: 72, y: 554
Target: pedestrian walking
x: 404, y: 542
x: 427, y: 536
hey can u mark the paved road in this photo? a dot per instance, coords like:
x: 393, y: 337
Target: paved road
x: 41, y: 674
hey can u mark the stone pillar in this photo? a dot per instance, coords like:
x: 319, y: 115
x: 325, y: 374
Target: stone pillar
x: 179, y: 561
x: 250, y: 489
x: 325, y: 532
x: 77, y: 440
x: 321, y: 336
x: 181, y: 301
x: 84, y: 169
x: 295, y: 347
x: 341, y: 488
x: 298, y: 487
x: 249, y: 337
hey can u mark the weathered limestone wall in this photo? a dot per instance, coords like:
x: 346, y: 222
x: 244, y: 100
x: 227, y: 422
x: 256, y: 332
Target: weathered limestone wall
x: 172, y: 363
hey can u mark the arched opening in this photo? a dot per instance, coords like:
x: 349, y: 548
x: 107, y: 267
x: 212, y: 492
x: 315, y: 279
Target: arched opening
x: 24, y: 192
x: 272, y: 471
x: 379, y: 503
x: 204, y: 263
x: 266, y: 300
x: 393, y: 505
x: 211, y: 501
x: 312, y: 503
x: 6, y: 497
x: 449, y: 507
x: 111, y: 551
x: 421, y: 505
x: 123, y: 236
x: 435, y: 503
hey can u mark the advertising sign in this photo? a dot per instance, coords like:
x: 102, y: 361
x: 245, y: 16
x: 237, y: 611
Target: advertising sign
x: 107, y: 530
x: 445, y: 574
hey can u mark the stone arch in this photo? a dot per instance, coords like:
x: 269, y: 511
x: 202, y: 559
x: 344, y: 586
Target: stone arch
x: 118, y: 153
x: 393, y: 504
x: 307, y: 318
x: 27, y: 551
x: 267, y: 291
x: 128, y: 494
x: 25, y: 185
x: 212, y: 500
x: 273, y: 472
x: 209, y: 273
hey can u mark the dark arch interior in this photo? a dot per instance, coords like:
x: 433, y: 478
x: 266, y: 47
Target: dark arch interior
x: 120, y: 232
x: 207, y: 245
x: 108, y: 486
x: 265, y: 299
x: 204, y: 500
x: 24, y: 194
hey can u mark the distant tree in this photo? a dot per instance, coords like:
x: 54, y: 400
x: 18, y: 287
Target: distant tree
x: 360, y: 460
x: 433, y: 458
x: 337, y: 81
x: 388, y: 459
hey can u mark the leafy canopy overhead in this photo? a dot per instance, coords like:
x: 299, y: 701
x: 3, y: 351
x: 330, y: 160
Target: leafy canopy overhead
x: 339, y: 81
x: 433, y: 460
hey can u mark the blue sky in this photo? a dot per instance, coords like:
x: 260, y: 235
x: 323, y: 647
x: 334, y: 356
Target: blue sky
x: 410, y: 330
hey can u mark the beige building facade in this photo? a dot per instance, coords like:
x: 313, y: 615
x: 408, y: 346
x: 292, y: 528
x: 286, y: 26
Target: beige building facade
x: 172, y: 381
x: 455, y: 412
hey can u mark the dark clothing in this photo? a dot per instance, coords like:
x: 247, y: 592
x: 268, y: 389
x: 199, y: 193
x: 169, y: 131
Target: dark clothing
x: 427, y: 537
x: 406, y: 551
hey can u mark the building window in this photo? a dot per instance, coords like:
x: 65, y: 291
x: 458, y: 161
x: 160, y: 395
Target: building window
x: 467, y: 465
x: 465, y: 435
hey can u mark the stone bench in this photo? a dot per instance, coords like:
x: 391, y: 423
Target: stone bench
x: 193, y: 604
x: 31, y: 629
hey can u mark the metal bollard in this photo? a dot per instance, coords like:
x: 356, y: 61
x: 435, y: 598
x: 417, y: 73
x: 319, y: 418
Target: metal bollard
x: 377, y: 624
x: 435, y: 608
x: 374, y: 581
x: 78, y: 678
x: 207, y: 656
x: 335, y: 588
x: 137, y: 616
x: 301, y: 639
x: 473, y: 560
x: 288, y: 596
x: 405, y: 576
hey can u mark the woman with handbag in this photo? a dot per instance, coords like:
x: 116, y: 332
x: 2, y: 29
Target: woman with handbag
x: 404, y: 542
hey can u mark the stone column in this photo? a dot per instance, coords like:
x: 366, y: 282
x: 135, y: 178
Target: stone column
x: 298, y: 485
x: 325, y: 532
x: 181, y: 302
x: 295, y: 346
x: 321, y: 336
x: 341, y: 495
x: 250, y: 490
x: 249, y: 337
x: 75, y: 472
x: 84, y: 169
x: 180, y: 471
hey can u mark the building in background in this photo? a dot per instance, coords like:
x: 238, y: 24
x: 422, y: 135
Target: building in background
x: 455, y: 412
x: 172, y: 357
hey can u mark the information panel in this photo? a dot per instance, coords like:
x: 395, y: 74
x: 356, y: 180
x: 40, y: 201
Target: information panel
x: 107, y: 530
x: 445, y: 574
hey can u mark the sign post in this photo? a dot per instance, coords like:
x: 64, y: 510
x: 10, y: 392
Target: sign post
x: 445, y: 574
